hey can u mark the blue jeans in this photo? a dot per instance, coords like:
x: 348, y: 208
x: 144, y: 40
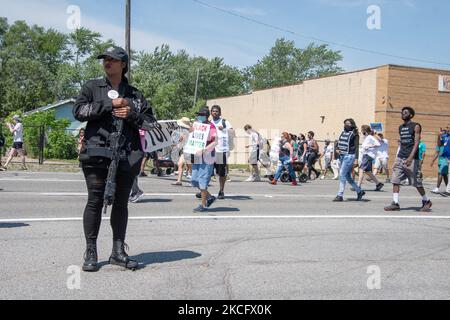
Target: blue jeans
x: 347, y: 162
x: 285, y: 161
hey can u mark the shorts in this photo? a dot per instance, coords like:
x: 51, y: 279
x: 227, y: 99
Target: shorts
x: 366, y: 163
x: 18, y: 145
x: 402, y: 172
x: 254, y: 157
x: 327, y: 163
x: 221, y: 164
x: 201, y: 175
x: 443, y: 166
x: 381, y: 163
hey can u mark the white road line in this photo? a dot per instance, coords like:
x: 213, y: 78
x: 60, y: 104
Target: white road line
x: 280, y: 195
x: 312, y: 217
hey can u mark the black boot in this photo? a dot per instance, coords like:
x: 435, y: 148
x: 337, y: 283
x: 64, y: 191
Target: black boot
x: 120, y: 258
x: 90, y: 257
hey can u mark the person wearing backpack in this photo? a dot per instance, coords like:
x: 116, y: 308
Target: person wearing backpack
x: 443, y: 153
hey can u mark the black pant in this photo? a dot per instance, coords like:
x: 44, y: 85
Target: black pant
x: 96, y: 181
x: 311, y: 161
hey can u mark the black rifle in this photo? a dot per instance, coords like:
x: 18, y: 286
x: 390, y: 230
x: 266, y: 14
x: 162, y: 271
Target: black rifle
x: 116, y: 141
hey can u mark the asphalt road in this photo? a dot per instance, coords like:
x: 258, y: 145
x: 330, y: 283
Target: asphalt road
x: 262, y: 242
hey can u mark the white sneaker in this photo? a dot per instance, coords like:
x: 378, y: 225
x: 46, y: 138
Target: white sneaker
x: 436, y: 191
x: 322, y: 178
x: 251, y: 179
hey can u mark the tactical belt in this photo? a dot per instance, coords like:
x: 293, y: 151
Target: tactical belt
x: 104, y: 153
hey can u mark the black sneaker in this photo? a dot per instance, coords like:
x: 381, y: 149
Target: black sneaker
x: 200, y: 209
x: 210, y: 201
x: 338, y: 199
x: 135, y: 198
x: 361, y: 195
x: 393, y: 207
x: 221, y: 196
x: 379, y: 187
x: 426, y: 206
x: 143, y: 175
x: 198, y: 195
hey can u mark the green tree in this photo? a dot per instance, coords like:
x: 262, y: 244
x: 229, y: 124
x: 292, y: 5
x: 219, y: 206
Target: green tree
x: 286, y: 65
x: 167, y: 79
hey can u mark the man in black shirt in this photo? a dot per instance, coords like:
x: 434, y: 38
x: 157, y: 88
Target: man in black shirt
x: 407, y: 163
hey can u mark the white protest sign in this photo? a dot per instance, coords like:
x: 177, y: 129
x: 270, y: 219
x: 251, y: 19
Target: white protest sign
x: 198, y: 139
x: 161, y: 136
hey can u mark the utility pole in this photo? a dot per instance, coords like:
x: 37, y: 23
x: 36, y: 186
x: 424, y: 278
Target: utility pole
x: 128, y: 36
x: 196, y: 86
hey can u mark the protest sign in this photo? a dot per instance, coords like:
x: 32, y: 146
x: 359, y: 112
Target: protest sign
x: 198, y: 138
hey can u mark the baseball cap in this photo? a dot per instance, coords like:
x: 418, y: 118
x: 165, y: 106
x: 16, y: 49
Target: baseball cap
x: 204, y: 112
x: 115, y: 53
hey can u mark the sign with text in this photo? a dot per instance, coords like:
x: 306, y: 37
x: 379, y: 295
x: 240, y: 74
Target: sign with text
x: 377, y: 127
x: 198, y: 138
x: 161, y: 136
x: 444, y: 83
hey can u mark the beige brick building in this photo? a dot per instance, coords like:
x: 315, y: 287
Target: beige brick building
x: 321, y: 105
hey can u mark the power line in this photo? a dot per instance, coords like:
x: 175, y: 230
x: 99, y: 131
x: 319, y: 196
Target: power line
x: 229, y: 12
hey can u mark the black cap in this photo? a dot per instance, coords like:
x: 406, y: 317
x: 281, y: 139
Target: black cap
x: 204, y: 112
x: 115, y: 53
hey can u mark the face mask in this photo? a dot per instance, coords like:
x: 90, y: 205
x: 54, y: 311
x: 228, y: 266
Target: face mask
x: 201, y: 119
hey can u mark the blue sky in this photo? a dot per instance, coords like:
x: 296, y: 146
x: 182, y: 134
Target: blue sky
x: 411, y: 28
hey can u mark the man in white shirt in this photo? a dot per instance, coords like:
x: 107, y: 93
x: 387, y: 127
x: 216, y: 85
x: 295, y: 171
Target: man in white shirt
x: 17, y: 148
x: 256, y: 145
x: 225, y: 134
x: 328, y: 155
x: 382, y: 158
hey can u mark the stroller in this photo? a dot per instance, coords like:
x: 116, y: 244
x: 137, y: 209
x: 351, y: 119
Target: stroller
x: 273, y: 163
x: 298, y: 169
x: 162, y: 165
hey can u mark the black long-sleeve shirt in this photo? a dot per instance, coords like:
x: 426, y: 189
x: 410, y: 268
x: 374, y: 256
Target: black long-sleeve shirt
x: 95, y: 107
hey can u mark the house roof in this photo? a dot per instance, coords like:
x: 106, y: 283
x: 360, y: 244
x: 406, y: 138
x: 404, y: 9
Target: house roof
x: 50, y: 106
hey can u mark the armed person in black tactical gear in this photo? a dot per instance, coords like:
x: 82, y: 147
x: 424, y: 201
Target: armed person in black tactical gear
x: 112, y: 154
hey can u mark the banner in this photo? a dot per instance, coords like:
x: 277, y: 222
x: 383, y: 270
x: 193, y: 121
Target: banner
x: 197, y: 139
x: 444, y: 83
x: 161, y: 136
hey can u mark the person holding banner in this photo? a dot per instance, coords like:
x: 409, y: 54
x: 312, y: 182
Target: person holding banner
x: 201, y: 146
